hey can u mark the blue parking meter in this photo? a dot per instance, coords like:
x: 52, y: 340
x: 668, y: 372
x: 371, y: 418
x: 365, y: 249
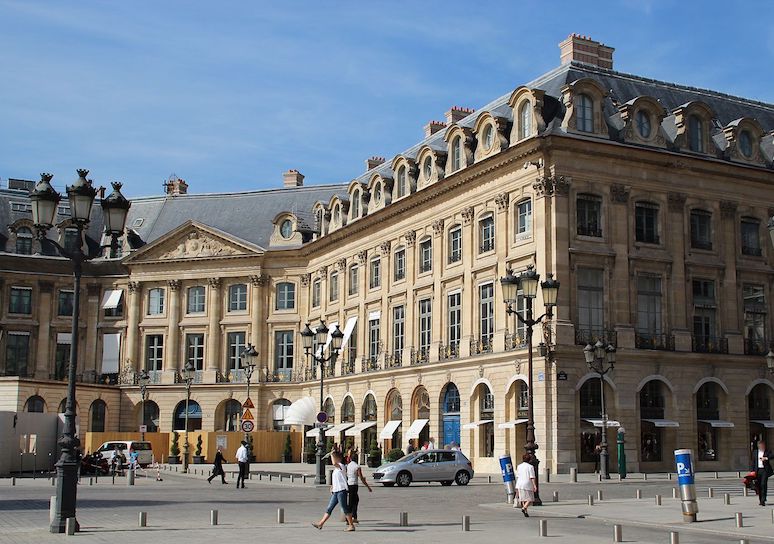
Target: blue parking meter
x: 509, y: 478
x: 685, y: 479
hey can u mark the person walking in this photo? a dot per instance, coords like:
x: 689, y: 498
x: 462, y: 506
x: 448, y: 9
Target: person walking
x: 339, y: 493
x: 526, y: 483
x: 354, y: 473
x: 410, y: 448
x: 763, y: 470
x: 242, y: 459
x: 217, y: 468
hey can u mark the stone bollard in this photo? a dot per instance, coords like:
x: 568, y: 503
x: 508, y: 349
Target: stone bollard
x: 52, y: 509
x: 745, y: 491
x: 143, y: 521
x: 645, y: 476
x: 591, y: 500
x: 548, y: 475
x: 617, y: 533
x: 130, y: 477
x: 716, y: 474
x: 674, y: 537
x: 70, y: 526
x: 599, y: 494
x: 465, y: 523
x: 744, y: 541
x: 213, y: 517
x: 772, y: 516
x: 638, y: 494
x: 543, y: 531
x: 658, y: 500
x: 739, y: 520
x: 599, y: 477
x: 710, y: 493
x: 726, y: 498
x: 556, y: 498
x: 674, y: 492
x: 403, y: 520
x: 280, y: 515
x: 574, y: 475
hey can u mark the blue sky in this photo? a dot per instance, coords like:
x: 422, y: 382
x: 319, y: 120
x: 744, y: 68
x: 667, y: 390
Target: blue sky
x: 228, y: 95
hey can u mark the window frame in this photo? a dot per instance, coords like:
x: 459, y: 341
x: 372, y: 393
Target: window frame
x: 353, y: 280
x: 201, y: 292
x: 456, y: 153
x: 584, y: 117
x: 700, y: 229
x: 425, y: 323
x: 284, y: 352
x: 398, y: 330
x: 523, y: 219
x: 486, y: 310
x: 62, y: 301
x: 156, y: 307
x: 455, y: 235
x: 752, y: 223
x: 375, y: 273
x: 285, y: 296
x: 525, y: 120
x: 399, y: 264
x: 316, y: 293
x: 486, y: 233
x: 425, y: 248
x: 235, y: 348
x: 25, y: 238
x: 696, y: 133
x: 642, y: 225
x: 586, y: 206
x: 154, y: 352
x: 333, y: 287
x: 195, y: 350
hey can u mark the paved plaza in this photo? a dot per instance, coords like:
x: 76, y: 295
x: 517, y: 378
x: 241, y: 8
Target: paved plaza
x: 179, y: 508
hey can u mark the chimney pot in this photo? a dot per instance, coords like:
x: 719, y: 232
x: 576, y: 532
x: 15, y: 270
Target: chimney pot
x: 581, y: 48
x: 293, y: 178
x: 434, y: 126
x: 373, y: 162
x: 175, y: 186
x: 457, y: 113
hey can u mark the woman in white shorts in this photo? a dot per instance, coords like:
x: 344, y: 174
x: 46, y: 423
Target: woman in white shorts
x: 526, y: 483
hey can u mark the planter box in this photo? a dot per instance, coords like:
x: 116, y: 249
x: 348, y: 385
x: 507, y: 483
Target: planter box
x: 173, y: 460
x: 373, y: 462
x: 198, y: 460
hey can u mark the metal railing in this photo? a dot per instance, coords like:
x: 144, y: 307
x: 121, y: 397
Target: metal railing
x: 590, y: 336
x: 394, y: 361
x: 514, y: 341
x: 752, y: 251
x: 449, y: 351
x: 755, y: 347
x: 481, y: 345
x: 664, y: 342
x: 589, y: 230
x: 369, y: 364
x: 708, y: 344
x: 347, y: 367
x: 420, y: 356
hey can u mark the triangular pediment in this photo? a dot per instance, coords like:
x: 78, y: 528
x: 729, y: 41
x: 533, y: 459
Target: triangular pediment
x: 194, y: 241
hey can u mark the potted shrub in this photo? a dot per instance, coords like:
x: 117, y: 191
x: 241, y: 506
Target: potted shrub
x: 287, y: 453
x: 198, y: 458
x: 394, y: 454
x: 374, y: 458
x: 250, y: 442
x: 174, y: 449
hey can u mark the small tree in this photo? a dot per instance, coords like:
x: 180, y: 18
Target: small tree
x: 198, y: 446
x: 174, y: 450
x: 287, y: 453
x: 394, y: 454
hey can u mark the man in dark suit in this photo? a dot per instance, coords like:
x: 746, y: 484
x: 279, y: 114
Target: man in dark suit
x: 763, y: 470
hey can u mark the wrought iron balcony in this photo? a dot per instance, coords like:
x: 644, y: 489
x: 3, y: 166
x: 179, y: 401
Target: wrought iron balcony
x: 487, y: 245
x: 708, y: 344
x: 481, y: 345
x: 752, y: 251
x: 449, y: 351
x: 755, y: 347
x: 514, y: 341
x: 589, y: 229
x: 395, y: 360
x: 664, y: 342
x: 369, y: 364
x: 348, y: 367
x: 420, y: 356
x: 590, y: 336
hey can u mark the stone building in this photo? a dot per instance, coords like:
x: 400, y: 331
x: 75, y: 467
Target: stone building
x: 647, y: 200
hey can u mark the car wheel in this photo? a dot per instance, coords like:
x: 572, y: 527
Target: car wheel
x: 462, y: 478
x: 447, y: 482
x: 403, y: 479
x: 388, y: 484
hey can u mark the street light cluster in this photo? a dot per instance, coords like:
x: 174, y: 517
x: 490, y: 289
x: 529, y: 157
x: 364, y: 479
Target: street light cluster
x: 601, y: 359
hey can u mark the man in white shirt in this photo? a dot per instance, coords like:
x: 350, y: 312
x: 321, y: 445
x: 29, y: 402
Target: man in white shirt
x: 763, y: 470
x: 243, y: 458
x: 339, y: 493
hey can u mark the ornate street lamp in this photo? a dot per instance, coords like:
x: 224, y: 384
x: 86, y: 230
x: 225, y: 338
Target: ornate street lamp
x: 189, y: 373
x: 528, y: 282
x: 143, y: 380
x: 308, y: 339
x: 249, y: 354
x: 601, y: 359
x: 81, y: 195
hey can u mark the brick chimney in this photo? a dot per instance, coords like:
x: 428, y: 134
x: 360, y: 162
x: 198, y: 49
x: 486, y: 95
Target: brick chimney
x: 292, y: 178
x: 175, y: 186
x: 373, y: 162
x: 434, y: 126
x: 457, y: 113
x: 584, y: 49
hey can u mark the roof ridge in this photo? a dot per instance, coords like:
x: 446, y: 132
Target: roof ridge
x: 189, y: 196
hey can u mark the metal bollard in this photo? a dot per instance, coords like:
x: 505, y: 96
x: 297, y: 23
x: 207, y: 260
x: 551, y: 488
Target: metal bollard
x: 280, y: 477
x: 489, y: 479
x: 658, y: 500
x: 143, y: 521
x: 744, y: 541
x: 591, y: 500
x: 466, y: 523
x: 303, y: 479
x: 638, y: 494
x: 726, y: 498
x: 716, y: 474
x: 403, y: 521
x: 114, y: 478
x: 645, y: 476
x: 599, y: 494
x: 270, y: 477
x: 556, y: 498
x: 669, y: 476
x: 280, y: 515
x: 710, y: 493
x: 674, y: 537
x: 292, y: 478
x: 739, y: 519
x: 213, y: 517
x: 738, y: 474
x: 70, y: 526
x: 53, y: 481
x: 599, y: 477
x: 548, y: 475
x: 617, y: 533
x: 13, y: 481
x: 674, y: 492
x: 543, y: 531
x: 745, y: 491
x: 772, y: 516
x: 574, y: 475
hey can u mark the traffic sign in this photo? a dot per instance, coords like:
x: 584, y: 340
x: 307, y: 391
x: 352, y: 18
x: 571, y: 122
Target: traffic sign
x: 322, y: 417
x: 247, y: 415
x: 248, y: 403
x: 248, y: 426
x: 143, y: 428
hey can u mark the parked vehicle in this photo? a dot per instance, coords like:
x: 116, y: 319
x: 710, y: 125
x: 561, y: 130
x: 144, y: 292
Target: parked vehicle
x: 144, y: 450
x: 93, y: 464
x: 445, y: 466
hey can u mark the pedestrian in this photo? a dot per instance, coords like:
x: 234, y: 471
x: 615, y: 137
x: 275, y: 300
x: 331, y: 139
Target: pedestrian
x: 431, y: 444
x: 242, y: 459
x: 339, y: 493
x: 454, y: 446
x: 426, y: 445
x: 217, y: 468
x: 354, y: 473
x: 410, y: 448
x: 763, y: 471
x: 526, y: 483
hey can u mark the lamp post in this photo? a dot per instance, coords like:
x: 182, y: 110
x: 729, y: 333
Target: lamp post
x: 189, y: 372
x: 601, y: 359
x: 308, y: 340
x: 250, y: 354
x: 81, y: 195
x: 528, y: 282
x: 143, y: 379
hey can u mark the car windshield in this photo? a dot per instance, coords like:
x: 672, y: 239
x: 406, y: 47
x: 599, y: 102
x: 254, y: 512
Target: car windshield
x: 406, y: 457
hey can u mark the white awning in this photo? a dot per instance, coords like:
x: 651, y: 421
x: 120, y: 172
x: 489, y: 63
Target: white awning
x: 348, y: 328
x: 663, y: 422
x: 111, y: 299
x: 331, y: 328
x: 598, y: 422
x: 302, y: 412
x: 336, y: 429
x: 511, y: 424
x: 416, y: 427
x: 767, y: 424
x: 376, y: 314
x: 111, y: 347
x: 359, y: 428
x: 475, y: 424
x: 389, y: 429
x: 718, y: 423
x: 313, y: 433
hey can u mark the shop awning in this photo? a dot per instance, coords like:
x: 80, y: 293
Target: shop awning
x: 598, y: 422
x: 475, y: 424
x: 511, y: 424
x: 336, y: 429
x: 389, y: 429
x: 767, y: 424
x: 314, y: 432
x: 348, y: 328
x: 663, y: 422
x: 718, y: 423
x: 359, y: 428
x: 111, y: 299
x: 302, y: 412
x: 416, y: 427
x: 328, y: 339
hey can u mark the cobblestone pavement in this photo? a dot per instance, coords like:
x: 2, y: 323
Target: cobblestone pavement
x: 179, y: 509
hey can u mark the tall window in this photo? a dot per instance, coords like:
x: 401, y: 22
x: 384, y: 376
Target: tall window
x: 156, y: 301
x: 400, y: 264
x: 231, y: 414
x: 591, y: 305
x: 649, y: 320
x: 98, y: 412
x: 521, y: 309
x: 486, y: 233
x: 333, y: 287
x: 488, y: 136
x: 524, y: 219
x: 427, y: 168
x: 454, y: 321
x: 23, y: 241
x: 425, y: 325
x: 17, y: 351
x: 65, y: 303
x: 355, y: 205
x: 235, y: 346
x: 646, y: 222
x: 398, y: 331
x: 375, y: 279
x: 704, y: 315
x: 751, y: 242
x: 237, y: 297
x: 695, y: 134
x: 194, y: 344
x: 486, y: 314
x: 354, y: 280
x: 196, y: 298
x: 584, y: 118
x: 72, y: 239
x: 286, y: 296
x: 426, y: 255
x: 283, y: 353
x: 154, y: 352
x: 20, y: 301
x: 374, y: 340
x: 456, y: 154
x: 402, y: 185
x: 455, y: 244
x: 525, y: 120
x: 754, y: 319
x: 588, y: 210
x: 316, y: 288
x: 701, y: 229
x: 745, y: 143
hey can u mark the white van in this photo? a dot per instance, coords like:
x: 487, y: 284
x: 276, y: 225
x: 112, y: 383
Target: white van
x: 144, y: 450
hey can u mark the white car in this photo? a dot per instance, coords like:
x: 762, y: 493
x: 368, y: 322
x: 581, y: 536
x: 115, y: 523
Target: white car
x: 144, y: 450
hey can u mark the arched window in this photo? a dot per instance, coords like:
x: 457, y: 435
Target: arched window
x: 427, y: 168
x: 348, y: 410
x: 643, y: 123
x: 378, y: 193
x: 707, y: 412
x: 337, y: 215
x: 35, y: 404
x: 286, y: 296
x: 369, y: 408
x: 525, y: 120
x: 62, y: 406
x: 330, y: 409
x: 695, y: 134
x: 485, y: 422
x: 451, y: 399
x: 488, y: 136
x: 402, y: 186
x: 585, y: 114
x: 395, y: 406
x: 355, y: 205
x: 23, y: 241
x: 745, y: 144
x: 97, y: 414
x: 194, y: 416
x: 651, y: 411
x: 524, y: 219
x: 278, y: 410
x: 149, y: 416
x: 456, y: 153
x: 231, y: 414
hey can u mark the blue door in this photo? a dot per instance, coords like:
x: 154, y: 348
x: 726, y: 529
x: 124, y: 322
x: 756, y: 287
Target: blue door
x: 451, y: 430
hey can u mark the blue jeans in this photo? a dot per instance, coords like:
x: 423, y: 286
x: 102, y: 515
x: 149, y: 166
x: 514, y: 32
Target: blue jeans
x: 338, y: 497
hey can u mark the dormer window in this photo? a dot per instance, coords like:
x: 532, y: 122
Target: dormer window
x: 286, y: 229
x: 456, y: 153
x: 585, y: 115
x: 71, y: 239
x: 525, y: 120
x: 643, y: 124
x: 378, y: 193
x: 355, y: 204
x: 745, y: 143
x: 488, y: 137
x: 695, y: 134
x: 23, y: 241
x: 401, y: 181
x: 337, y: 215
